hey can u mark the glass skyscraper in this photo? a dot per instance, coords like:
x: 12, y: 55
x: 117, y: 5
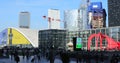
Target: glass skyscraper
x: 24, y: 20
x: 97, y: 15
x: 75, y: 20
x: 71, y: 20
x: 113, y: 13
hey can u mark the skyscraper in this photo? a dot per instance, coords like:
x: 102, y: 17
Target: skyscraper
x: 113, y: 13
x: 71, y: 20
x: 54, y: 19
x: 97, y: 15
x: 75, y: 20
x: 83, y: 13
x: 24, y: 20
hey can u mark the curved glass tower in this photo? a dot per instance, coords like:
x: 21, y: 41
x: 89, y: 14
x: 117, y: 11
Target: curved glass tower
x: 75, y: 20
x: 71, y: 20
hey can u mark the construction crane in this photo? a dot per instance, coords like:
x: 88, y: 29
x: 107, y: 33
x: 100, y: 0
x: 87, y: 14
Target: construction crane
x: 50, y: 19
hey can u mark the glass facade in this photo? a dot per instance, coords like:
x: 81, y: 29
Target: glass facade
x: 59, y: 38
x: 52, y: 38
x: 112, y: 32
x: 84, y: 14
x: 114, y: 12
x: 75, y: 19
x: 71, y: 20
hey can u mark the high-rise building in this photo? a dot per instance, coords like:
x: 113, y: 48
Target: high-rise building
x: 97, y: 20
x: 113, y: 13
x: 75, y: 20
x: 97, y: 15
x: 71, y: 20
x: 54, y: 19
x: 84, y: 7
x: 24, y: 20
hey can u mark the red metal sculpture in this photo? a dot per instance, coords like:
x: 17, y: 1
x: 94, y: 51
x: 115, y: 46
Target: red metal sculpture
x: 111, y: 44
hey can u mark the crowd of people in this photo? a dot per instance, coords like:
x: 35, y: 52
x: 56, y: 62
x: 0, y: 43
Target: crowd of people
x: 15, y: 53
x: 65, y: 56
x: 90, y: 56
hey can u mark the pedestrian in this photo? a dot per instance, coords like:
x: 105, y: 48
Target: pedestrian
x: 38, y: 56
x: 23, y: 53
x: 64, y: 57
x: 17, y: 59
x: 12, y: 54
x: 101, y: 57
x: 51, y: 57
x: 78, y: 57
x: 32, y: 60
x: 27, y: 55
x: 96, y: 58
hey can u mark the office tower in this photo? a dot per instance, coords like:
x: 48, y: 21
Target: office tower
x: 97, y: 15
x: 84, y: 13
x: 54, y: 19
x: 113, y: 13
x: 75, y: 20
x: 24, y: 20
x: 71, y: 20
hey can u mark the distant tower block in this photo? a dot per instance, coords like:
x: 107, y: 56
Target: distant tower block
x: 54, y: 19
x: 24, y: 20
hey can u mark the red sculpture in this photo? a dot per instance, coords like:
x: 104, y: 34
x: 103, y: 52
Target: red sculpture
x: 111, y: 44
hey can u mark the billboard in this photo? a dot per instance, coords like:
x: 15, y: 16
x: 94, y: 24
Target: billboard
x: 96, y: 5
x: 78, y: 43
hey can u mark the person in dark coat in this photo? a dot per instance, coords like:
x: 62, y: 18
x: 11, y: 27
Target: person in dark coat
x: 52, y: 55
x: 65, y: 57
x: 96, y: 58
x: 23, y: 54
x: 17, y: 59
x: 38, y: 56
x: 33, y: 59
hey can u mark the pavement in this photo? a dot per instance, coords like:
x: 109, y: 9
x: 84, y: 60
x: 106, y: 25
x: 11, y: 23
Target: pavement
x: 42, y: 60
x: 24, y: 60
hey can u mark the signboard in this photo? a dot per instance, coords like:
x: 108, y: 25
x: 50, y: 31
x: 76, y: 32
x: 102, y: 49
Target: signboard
x: 78, y: 43
x: 96, y: 5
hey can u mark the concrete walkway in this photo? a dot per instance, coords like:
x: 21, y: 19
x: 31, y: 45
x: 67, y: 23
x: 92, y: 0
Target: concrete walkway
x: 42, y: 60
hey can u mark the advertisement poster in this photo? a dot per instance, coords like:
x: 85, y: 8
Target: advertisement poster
x: 78, y: 43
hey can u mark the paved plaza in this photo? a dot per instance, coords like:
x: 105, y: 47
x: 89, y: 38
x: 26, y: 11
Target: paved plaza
x: 42, y: 60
